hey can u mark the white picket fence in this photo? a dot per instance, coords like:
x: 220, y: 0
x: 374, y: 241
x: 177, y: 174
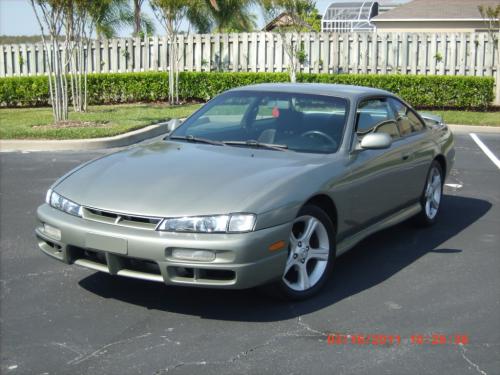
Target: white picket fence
x: 406, y: 53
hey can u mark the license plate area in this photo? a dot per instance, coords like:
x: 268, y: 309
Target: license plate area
x: 106, y: 243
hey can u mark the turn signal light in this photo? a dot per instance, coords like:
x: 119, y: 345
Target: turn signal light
x: 277, y: 245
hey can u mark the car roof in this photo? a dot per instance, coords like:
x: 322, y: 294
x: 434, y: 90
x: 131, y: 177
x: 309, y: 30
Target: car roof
x: 346, y: 91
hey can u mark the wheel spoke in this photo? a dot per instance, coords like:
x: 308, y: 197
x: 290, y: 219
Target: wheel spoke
x: 428, y: 190
x: 309, y: 229
x: 435, y: 201
x: 319, y: 253
x: 428, y: 207
x: 436, y: 181
x: 290, y: 262
x: 303, y: 277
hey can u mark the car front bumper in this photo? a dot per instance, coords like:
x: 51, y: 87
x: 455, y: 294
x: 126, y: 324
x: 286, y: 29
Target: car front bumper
x: 241, y: 261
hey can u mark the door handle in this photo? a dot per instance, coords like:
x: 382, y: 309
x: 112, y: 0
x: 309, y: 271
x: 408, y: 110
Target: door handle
x: 405, y: 156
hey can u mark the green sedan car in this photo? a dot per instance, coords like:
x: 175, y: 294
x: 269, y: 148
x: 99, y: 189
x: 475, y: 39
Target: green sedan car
x: 265, y: 185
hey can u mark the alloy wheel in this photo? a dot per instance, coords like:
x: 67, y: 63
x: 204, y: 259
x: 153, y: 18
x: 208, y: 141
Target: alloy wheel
x: 433, y: 193
x: 309, y: 250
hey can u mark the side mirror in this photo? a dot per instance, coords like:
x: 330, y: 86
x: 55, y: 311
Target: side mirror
x: 173, y: 124
x: 375, y: 141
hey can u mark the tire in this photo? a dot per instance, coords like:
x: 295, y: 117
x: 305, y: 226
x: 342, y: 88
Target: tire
x: 431, y: 197
x: 311, y: 255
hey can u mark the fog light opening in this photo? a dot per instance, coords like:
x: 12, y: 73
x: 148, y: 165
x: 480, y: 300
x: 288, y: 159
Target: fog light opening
x: 184, y: 272
x: 193, y: 255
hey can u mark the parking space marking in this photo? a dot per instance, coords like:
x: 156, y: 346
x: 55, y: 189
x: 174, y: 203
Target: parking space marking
x: 486, y: 150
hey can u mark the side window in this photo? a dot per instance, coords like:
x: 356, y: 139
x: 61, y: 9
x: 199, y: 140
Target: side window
x: 407, y: 121
x: 415, y: 122
x: 376, y: 116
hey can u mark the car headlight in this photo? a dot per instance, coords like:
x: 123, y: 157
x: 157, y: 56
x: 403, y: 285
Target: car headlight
x: 234, y: 223
x: 59, y: 202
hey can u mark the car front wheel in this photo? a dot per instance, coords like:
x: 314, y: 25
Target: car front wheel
x: 311, y: 254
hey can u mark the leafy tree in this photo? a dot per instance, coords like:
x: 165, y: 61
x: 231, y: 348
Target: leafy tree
x: 313, y: 18
x: 491, y: 17
x: 50, y: 17
x: 171, y: 13
x: 295, y: 12
x: 70, y: 24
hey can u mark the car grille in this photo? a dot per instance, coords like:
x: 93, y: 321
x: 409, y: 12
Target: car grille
x: 127, y: 220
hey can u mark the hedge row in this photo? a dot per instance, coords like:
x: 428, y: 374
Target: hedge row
x: 457, y: 92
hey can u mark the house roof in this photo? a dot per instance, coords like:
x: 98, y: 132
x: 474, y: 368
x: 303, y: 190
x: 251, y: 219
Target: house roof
x: 442, y: 10
x: 283, y: 19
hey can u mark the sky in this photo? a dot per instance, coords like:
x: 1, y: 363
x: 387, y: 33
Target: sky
x: 17, y: 18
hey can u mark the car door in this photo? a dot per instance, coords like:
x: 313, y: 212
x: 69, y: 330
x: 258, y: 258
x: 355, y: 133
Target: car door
x: 375, y: 175
x: 416, y: 150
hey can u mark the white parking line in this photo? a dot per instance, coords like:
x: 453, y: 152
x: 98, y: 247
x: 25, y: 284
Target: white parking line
x: 486, y: 150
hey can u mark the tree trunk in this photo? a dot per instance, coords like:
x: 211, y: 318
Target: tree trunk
x: 73, y: 83
x: 497, y: 80
x: 85, y: 72
x: 137, y: 17
x: 171, y: 73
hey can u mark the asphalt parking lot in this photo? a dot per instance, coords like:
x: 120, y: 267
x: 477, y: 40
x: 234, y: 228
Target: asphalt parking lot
x: 59, y: 319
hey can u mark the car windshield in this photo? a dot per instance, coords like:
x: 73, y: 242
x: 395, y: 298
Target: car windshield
x: 269, y: 120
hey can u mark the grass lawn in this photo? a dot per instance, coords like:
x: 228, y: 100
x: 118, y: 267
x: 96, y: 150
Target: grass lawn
x: 469, y: 118
x: 99, y: 121
x: 109, y: 120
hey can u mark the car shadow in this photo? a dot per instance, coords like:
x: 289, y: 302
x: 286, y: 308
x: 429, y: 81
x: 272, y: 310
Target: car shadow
x: 371, y: 262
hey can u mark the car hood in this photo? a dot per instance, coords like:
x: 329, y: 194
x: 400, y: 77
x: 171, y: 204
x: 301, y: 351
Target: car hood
x: 181, y: 179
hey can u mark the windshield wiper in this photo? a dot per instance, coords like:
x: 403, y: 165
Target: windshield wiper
x: 191, y: 138
x: 253, y: 143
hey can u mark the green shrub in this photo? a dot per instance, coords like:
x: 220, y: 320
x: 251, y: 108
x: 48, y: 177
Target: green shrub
x: 24, y: 91
x: 456, y: 92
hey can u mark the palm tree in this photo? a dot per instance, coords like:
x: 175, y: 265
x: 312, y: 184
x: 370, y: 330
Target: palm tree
x: 110, y: 15
x: 222, y: 16
x: 142, y: 23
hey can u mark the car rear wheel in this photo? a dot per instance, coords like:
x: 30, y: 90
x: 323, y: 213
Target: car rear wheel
x: 311, y: 254
x: 431, y: 196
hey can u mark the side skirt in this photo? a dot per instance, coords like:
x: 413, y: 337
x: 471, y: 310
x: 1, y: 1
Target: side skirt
x: 389, y: 221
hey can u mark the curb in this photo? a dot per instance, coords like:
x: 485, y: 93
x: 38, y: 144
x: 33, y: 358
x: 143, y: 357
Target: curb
x: 473, y: 129
x: 120, y: 140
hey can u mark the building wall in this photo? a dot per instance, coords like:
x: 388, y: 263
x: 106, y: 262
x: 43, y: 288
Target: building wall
x: 429, y: 26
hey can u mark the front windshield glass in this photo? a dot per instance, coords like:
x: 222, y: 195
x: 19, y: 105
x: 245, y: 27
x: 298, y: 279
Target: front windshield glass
x: 297, y: 122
